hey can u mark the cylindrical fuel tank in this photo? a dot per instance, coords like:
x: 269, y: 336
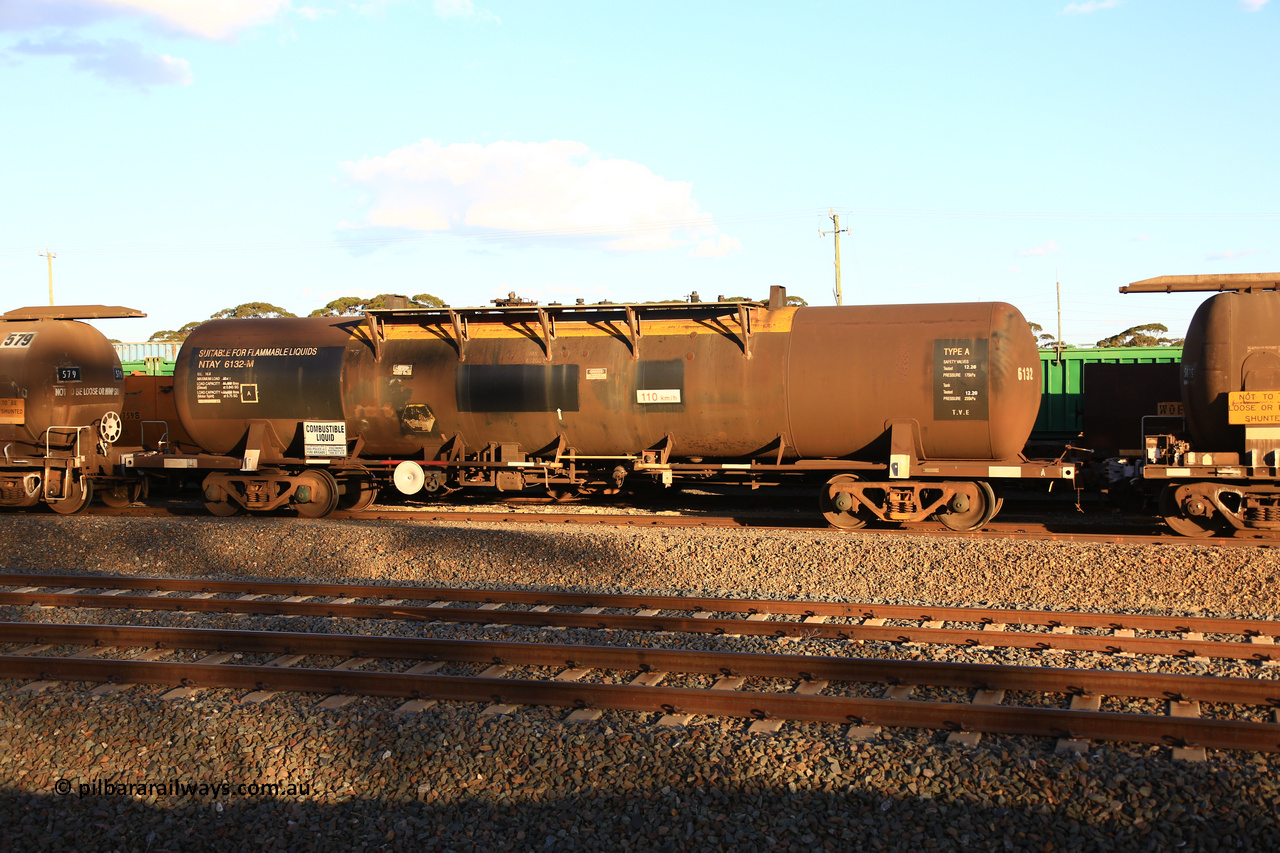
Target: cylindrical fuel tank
x: 713, y: 381
x: 967, y: 373
x: 54, y: 373
x: 1233, y: 344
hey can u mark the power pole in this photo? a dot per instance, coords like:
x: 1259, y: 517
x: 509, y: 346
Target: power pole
x: 835, y: 217
x: 1058, y: 284
x: 50, y: 256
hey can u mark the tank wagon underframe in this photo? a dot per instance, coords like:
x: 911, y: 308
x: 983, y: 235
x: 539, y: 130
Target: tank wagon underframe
x: 907, y: 411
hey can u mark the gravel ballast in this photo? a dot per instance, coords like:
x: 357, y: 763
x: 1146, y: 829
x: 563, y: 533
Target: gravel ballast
x: 449, y: 779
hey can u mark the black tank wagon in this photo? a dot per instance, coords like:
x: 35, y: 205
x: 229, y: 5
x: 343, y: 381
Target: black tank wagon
x: 1221, y: 474
x: 61, y: 389
x: 906, y: 412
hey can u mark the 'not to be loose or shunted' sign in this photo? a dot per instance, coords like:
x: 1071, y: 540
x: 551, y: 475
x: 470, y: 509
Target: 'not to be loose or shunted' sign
x: 1253, y: 408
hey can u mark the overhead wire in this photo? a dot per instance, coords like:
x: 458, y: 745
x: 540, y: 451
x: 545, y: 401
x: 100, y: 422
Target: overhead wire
x: 617, y: 230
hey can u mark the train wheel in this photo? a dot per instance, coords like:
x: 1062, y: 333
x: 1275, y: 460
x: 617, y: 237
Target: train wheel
x: 840, y: 508
x: 1176, y: 517
x: 217, y: 498
x: 996, y: 502
x: 359, y: 493
x: 78, y: 497
x: 320, y: 496
x: 967, y: 513
x: 120, y: 495
x: 224, y: 509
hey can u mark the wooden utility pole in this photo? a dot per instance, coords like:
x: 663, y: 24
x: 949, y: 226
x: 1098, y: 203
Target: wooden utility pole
x: 835, y: 217
x: 1058, y: 285
x: 50, y: 256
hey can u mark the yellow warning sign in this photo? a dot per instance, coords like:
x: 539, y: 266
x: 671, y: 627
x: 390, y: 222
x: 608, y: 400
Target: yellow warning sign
x: 12, y: 410
x: 1253, y: 408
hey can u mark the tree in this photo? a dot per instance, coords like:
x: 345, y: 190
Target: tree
x: 1141, y: 336
x: 249, y: 310
x: 176, y: 335
x: 345, y: 306
x: 797, y: 301
x: 252, y: 310
x: 1044, y: 340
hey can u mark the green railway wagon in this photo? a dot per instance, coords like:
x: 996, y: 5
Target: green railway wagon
x: 1061, y: 418
x: 150, y: 366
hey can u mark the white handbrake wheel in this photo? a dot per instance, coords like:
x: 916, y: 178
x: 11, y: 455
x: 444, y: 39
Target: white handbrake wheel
x: 409, y: 477
x: 110, y: 427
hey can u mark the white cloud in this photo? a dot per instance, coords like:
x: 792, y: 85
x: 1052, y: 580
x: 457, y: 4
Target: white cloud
x: 1044, y: 249
x: 115, y: 61
x: 1232, y: 254
x: 717, y: 247
x: 547, y: 189
x: 1092, y: 6
x: 1253, y: 5
x: 464, y: 10
x: 209, y: 19
x: 311, y: 13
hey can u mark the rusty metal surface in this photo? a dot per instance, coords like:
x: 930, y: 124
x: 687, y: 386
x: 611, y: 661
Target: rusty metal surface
x: 633, y: 622
x: 1215, y: 733
x: 71, y: 312
x: 852, y: 369
x: 1263, y: 692
x: 855, y: 610
x: 147, y: 401
x: 979, y: 617
x: 1192, y: 283
x: 1036, y: 722
x: 1117, y: 397
x: 54, y: 373
x: 271, y: 383
x: 1231, y: 345
x: 722, y: 381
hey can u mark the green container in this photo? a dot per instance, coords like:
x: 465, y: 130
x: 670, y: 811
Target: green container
x: 1061, y: 416
x: 149, y: 366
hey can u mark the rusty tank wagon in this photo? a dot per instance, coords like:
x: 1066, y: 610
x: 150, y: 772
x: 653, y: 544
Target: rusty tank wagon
x: 61, y: 389
x: 899, y: 412
x: 1221, y: 473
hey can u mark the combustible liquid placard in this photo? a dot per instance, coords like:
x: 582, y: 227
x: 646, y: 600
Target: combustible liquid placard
x: 1253, y: 408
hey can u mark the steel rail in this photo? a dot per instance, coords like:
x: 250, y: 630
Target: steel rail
x: 697, y: 604
x: 1192, y: 645
x: 1254, y: 691
x: 624, y: 622
x: 1145, y: 728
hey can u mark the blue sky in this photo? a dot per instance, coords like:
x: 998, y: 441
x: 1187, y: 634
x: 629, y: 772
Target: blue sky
x: 184, y: 156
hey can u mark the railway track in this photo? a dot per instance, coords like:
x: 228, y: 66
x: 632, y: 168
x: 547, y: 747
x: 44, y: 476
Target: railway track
x: 1106, y: 633
x: 1088, y: 531
x: 767, y: 688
